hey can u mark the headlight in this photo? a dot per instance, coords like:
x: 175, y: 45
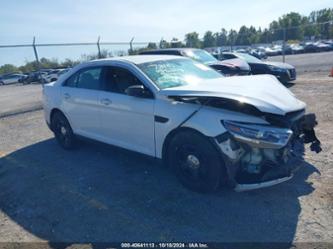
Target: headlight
x: 276, y: 69
x: 259, y: 135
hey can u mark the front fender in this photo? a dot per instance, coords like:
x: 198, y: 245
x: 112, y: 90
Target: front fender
x: 208, y: 120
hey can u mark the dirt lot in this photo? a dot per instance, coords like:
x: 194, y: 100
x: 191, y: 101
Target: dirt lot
x: 18, y: 98
x: 101, y: 193
x: 314, y: 62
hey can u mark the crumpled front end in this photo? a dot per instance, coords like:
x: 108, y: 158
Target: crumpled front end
x: 258, y: 156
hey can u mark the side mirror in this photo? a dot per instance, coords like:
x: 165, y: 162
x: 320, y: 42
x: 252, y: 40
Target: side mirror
x: 138, y: 91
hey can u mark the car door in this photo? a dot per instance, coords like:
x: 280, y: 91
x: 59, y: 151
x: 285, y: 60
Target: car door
x: 126, y: 121
x: 80, y: 101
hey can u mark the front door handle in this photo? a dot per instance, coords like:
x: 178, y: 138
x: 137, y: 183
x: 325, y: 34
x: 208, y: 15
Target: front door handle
x: 67, y: 96
x: 106, y: 101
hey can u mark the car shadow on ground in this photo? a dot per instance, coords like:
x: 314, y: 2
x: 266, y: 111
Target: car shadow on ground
x: 99, y: 193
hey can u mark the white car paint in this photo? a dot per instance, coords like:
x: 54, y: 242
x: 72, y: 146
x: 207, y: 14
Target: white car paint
x: 128, y: 121
x: 239, y: 125
x: 263, y: 91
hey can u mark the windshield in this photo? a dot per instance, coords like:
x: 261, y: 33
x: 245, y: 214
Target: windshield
x: 200, y: 55
x: 248, y: 58
x: 177, y: 72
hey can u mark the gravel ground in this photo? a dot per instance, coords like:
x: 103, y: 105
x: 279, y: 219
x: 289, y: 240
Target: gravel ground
x: 18, y: 98
x: 101, y: 193
x: 313, y: 62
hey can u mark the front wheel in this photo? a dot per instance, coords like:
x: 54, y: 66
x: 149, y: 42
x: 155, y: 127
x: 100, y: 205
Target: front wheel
x: 63, y: 131
x: 195, y: 161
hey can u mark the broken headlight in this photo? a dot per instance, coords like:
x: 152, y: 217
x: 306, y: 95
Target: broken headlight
x: 263, y: 136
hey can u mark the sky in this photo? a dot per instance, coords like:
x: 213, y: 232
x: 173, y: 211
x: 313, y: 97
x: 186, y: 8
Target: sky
x: 120, y: 20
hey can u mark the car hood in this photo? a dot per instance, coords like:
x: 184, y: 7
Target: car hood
x: 279, y: 64
x: 241, y: 64
x: 264, y: 92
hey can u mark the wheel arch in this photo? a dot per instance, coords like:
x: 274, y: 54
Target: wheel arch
x: 176, y: 131
x: 53, y: 112
x: 224, y: 172
x: 171, y: 135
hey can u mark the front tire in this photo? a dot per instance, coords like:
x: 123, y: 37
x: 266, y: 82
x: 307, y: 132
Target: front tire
x: 195, y: 161
x: 63, y: 131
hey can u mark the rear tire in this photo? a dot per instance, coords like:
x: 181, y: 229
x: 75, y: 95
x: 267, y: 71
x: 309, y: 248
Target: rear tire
x: 195, y: 161
x: 63, y: 131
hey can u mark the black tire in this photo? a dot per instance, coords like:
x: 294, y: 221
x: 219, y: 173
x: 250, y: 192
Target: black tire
x: 63, y: 131
x: 195, y: 161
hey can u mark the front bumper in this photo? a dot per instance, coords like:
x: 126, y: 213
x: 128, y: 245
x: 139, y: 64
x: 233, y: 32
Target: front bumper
x: 291, y: 169
x: 253, y: 186
x: 249, y: 166
x: 286, y: 75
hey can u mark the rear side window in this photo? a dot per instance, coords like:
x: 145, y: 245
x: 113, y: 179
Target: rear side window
x: 87, y: 79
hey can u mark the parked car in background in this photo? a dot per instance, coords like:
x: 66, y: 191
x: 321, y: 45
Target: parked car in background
x: 330, y: 44
x: 33, y: 77
x: 208, y: 128
x: 322, y: 47
x: 23, y: 78
x: 283, y: 71
x: 227, y: 67
x: 53, y: 75
x: 311, y: 47
x: 11, y: 78
x: 258, y: 53
x: 297, y: 49
x: 271, y: 51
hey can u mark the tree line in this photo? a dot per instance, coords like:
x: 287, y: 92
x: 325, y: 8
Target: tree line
x: 291, y: 26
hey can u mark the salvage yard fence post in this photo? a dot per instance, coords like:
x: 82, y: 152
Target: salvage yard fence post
x: 99, y: 48
x: 35, y: 46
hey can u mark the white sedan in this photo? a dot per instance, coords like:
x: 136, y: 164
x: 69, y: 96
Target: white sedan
x: 244, y: 131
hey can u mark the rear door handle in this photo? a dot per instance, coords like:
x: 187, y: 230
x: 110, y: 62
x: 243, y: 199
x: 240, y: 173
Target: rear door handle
x: 67, y: 96
x: 106, y: 101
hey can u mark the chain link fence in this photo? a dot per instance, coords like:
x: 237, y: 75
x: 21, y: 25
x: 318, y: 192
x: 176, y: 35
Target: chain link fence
x: 71, y: 53
x: 315, y: 37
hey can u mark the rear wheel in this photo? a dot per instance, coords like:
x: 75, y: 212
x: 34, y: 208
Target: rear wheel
x: 195, y: 161
x: 63, y: 131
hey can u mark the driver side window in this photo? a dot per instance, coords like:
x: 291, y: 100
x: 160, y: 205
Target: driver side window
x: 117, y: 80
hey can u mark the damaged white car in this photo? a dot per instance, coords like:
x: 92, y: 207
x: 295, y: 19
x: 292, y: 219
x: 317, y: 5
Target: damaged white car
x: 245, y: 131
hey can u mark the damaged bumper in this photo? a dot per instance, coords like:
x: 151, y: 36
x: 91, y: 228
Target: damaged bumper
x: 294, y: 166
x: 253, y: 186
x: 257, y: 157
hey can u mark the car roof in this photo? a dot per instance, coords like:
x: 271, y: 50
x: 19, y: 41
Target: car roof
x: 138, y: 59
